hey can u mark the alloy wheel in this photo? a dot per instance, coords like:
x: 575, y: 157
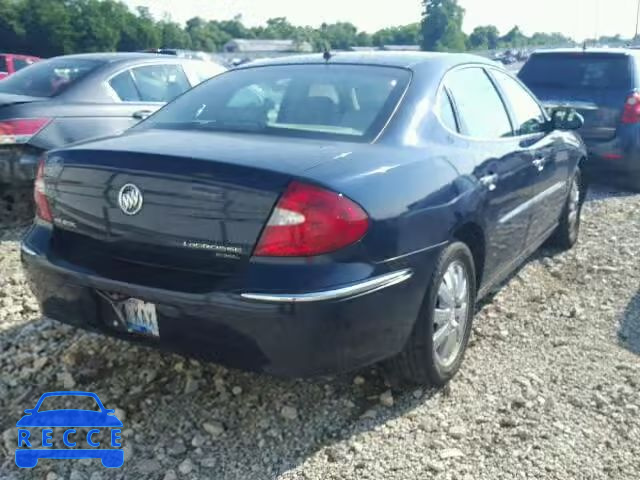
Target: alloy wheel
x: 574, y: 207
x: 451, y: 314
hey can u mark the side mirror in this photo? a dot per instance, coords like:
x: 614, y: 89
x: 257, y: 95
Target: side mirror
x: 110, y: 412
x: 29, y: 411
x: 565, y: 118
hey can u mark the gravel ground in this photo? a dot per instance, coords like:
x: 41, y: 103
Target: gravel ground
x: 550, y: 387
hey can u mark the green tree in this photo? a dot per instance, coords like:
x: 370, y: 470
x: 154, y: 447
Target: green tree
x: 278, y: 28
x: 403, y: 35
x: 364, y: 40
x: 515, y: 38
x: 48, y: 28
x: 442, y: 26
x: 201, y: 35
x: 173, y: 35
x: 341, y: 35
x: 234, y: 28
x: 12, y: 34
x: 93, y: 24
x: 484, y: 38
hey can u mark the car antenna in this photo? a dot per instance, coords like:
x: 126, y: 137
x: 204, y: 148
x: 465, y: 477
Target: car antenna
x: 327, y: 54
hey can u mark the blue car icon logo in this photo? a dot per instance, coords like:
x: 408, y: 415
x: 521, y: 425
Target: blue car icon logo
x: 32, y: 447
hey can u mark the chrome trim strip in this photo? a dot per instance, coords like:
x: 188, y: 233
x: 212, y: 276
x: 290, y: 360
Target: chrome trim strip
x: 529, y: 203
x: 361, y: 288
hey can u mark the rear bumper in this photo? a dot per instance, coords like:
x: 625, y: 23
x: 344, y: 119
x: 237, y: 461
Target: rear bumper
x: 321, y: 332
x: 617, y: 159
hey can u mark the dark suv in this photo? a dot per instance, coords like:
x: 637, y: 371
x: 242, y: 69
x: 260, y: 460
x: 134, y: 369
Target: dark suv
x: 604, y: 86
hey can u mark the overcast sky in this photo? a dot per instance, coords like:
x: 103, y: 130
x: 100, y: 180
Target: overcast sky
x: 578, y: 18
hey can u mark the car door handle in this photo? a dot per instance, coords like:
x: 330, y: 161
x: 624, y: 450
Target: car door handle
x: 141, y: 114
x: 539, y: 163
x: 489, y: 181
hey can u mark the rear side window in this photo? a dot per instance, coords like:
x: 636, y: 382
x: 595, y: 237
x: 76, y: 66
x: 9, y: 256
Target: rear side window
x: 312, y: 101
x: 48, y: 78
x: 3, y: 64
x: 124, y: 87
x: 481, y: 112
x: 160, y: 83
x: 528, y: 114
x: 577, y: 70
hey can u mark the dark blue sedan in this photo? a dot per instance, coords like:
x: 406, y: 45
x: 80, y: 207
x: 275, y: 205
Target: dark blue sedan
x: 307, y: 215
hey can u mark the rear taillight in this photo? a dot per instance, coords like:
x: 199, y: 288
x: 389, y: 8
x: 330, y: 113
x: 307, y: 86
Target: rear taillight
x: 43, y: 212
x: 20, y: 130
x: 631, y: 113
x: 310, y: 220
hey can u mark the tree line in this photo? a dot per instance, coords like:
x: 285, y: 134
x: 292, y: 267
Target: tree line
x: 55, y: 27
x: 442, y: 31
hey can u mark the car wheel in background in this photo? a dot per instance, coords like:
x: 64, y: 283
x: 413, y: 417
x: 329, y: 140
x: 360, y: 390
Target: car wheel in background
x: 436, y: 348
x: 566, y: 235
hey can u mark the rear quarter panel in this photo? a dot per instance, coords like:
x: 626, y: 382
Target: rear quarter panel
x: 410, y: 195
x: 71, y: 122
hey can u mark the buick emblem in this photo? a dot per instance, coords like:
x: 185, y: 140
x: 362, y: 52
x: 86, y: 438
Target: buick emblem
x: 130, y: 199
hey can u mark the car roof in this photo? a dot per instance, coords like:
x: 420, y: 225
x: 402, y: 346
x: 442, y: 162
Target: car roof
x: 409, y: 60
x: 3, y: 54
x: 587, y: 51
x: 112, y: 57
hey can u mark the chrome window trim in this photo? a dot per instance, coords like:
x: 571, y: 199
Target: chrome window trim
x: 367, y: 286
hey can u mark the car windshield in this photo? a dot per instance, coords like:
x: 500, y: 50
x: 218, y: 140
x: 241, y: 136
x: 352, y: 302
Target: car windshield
x: 48, y: 78
x: 62, y: 402
x: 310, y: 101
x: 577, y: 70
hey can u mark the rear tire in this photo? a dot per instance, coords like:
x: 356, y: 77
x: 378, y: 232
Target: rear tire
x: 436, y: 347
x: 568, y: 231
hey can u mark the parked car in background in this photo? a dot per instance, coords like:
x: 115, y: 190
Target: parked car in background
x: 604, y: 86
x: 306, y: 216
x: 65, y: 99
x: 10, y: 63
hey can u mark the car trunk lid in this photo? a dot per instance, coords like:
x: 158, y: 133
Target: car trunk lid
x: 205, y: 200
x: 8, y: 99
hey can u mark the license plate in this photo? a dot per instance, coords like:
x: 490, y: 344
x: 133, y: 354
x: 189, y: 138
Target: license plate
x: 140, y: 317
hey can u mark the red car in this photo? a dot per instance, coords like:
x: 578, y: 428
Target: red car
x: 11, y: 63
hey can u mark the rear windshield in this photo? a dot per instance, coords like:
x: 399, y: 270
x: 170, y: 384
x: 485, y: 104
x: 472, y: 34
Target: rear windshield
x: 48, y: 78
x: 577, y: 70
x: 311, y: 101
